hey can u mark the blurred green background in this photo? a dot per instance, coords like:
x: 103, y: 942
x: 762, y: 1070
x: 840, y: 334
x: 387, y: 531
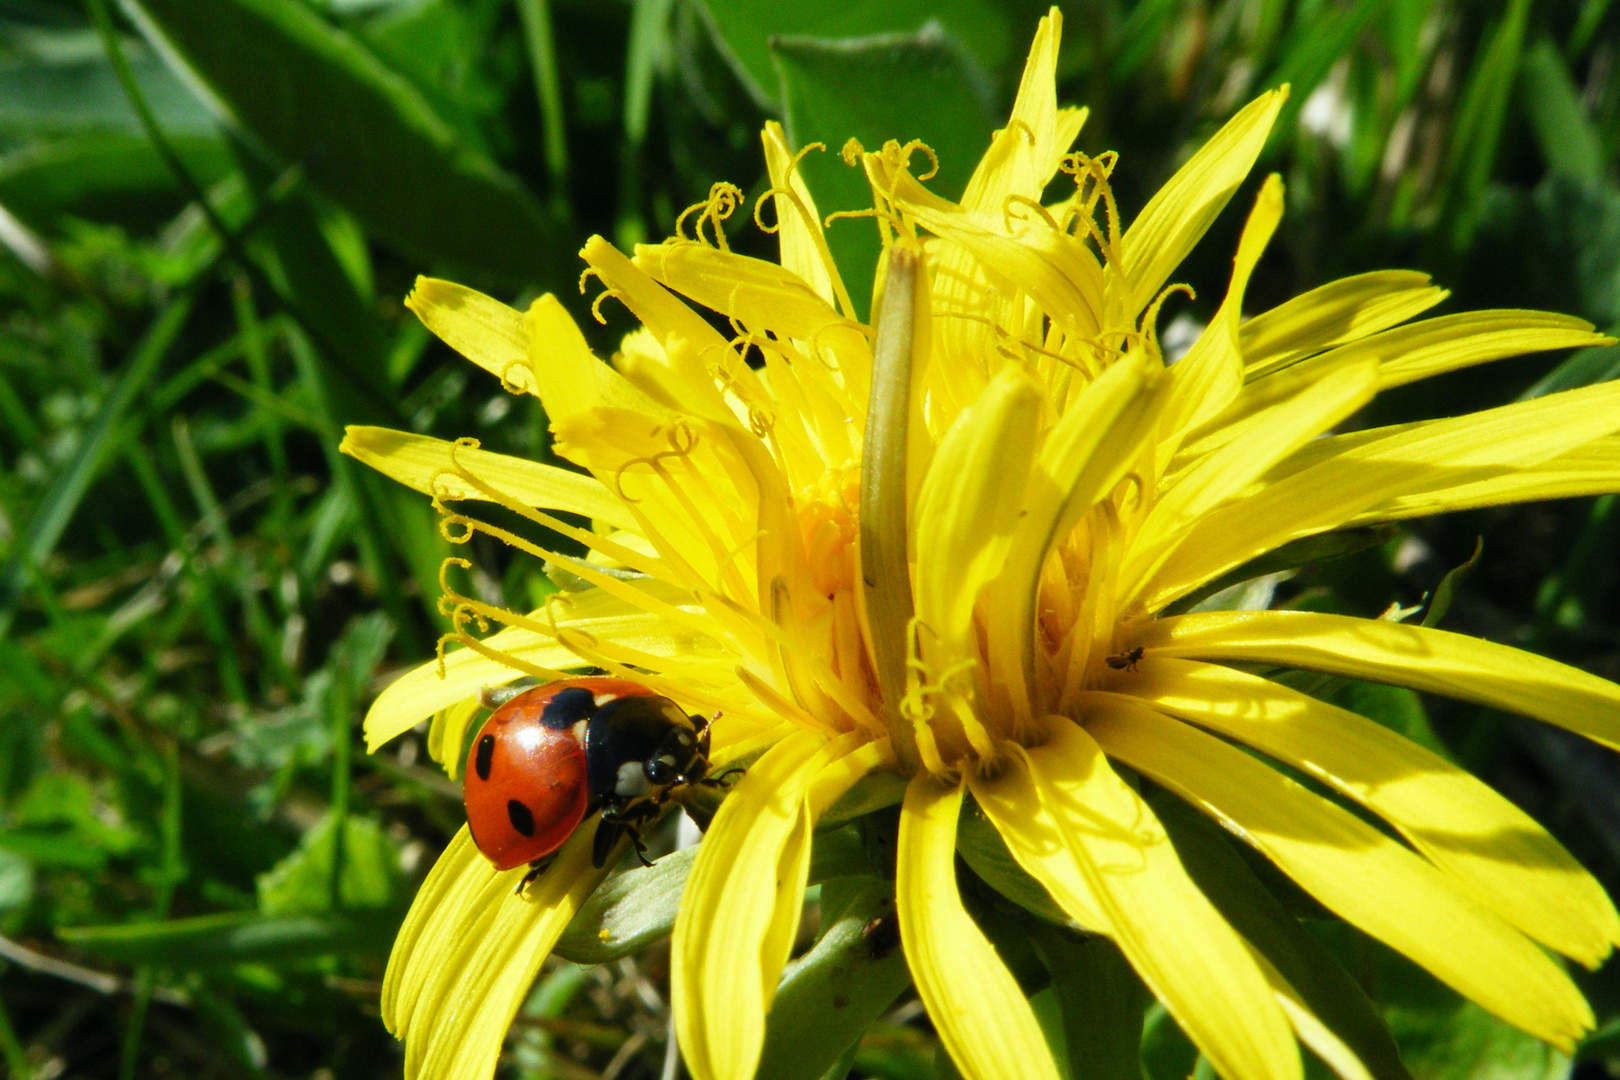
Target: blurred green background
x: 210, y: 214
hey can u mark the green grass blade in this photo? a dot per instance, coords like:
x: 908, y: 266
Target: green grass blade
x: 54, y: 512
x: 1569, y: 143
x: 1477, y: 130
x: 541, y: 44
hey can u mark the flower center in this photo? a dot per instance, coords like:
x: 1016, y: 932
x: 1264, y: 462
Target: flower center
x: 829, y: 525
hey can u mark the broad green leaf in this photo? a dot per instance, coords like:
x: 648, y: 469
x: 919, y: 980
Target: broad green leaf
x: 322, y: 102
x: 1322, y: 985
x: 830, y: 995
x: 1577, y: 246
x: 1167, y: 1053
x: 1397, y: 708
x: 1101, y: 1002
x: 52, y: 848
x: 838, y: 853
x: 1441, y: 1035
x: 872, y: 792
x: 903, y: 87
x: 895, y: 1052
x: 42, y: 98
x: 226, y: 1027
x: 303, y: 265
x: 16, y: 882
x: 1306, y: 551
x: 746, y: 29
x: 370, y: 876
x: 437, y: 45
x: 1315, y: 46
x: 1139, y: 36
x: 1586, y: 25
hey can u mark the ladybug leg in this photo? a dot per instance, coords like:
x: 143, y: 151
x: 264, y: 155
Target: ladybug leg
x: 623, y: 822
x: 607, y: 835
x: 536, y: 868
x: 719, y: 779
x: 641, y: 848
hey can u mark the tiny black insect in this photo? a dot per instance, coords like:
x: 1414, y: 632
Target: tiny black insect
x: 1126, y: 661
x: 881, y: 936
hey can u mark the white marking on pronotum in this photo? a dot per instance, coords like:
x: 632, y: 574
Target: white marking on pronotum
x: 631, y: 780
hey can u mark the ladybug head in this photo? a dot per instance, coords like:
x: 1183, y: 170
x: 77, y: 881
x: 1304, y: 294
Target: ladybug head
x: 682, y: 759
x: 640, y: 746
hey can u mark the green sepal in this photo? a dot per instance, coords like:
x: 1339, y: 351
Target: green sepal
x: 629, y: 911
x: 986, y: 854
x: 828, y: 997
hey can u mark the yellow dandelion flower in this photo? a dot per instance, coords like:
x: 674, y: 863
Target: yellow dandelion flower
x: 946, y: 550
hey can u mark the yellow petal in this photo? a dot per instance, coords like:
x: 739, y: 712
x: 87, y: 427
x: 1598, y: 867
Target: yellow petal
x: 1485, y: 844
x: 571, y: 380
x: 430, y: 466
x: 469, y: 950
x: 675, y: 376
x: 1055, y: 269
x: 1332, y: 314
x: 1024, y: 156
x: 1182, y: 211
x: 1409, y: 353
x: 656, y: 308
x: 422, y: 691
x: 1323, y: 1040
x: 1593, y: 469
x: 482, y: 329
x: 1404, y: 355
x: 802, y: 240
x: 1090, y: 839
x: 1416, y: 457
x: 1211, y: 374
x: 447, y: 734
x: 1220, y: 477
x: 1353, y: 869
x: 758, y: 294
x: 740, y: 908
x: 972, y: 999
x: 1420, y: 657
x: 968, y: 506
x: 1088, y: 451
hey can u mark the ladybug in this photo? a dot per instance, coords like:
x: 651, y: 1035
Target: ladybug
x: 552, y: 755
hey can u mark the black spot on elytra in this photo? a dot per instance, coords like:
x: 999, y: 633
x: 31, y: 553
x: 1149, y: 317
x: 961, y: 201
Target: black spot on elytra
x: 522, y: 817
x: 486, y: 755
x: 567, y: 707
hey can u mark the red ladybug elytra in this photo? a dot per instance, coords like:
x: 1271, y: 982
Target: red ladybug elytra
x: 550, y: 756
